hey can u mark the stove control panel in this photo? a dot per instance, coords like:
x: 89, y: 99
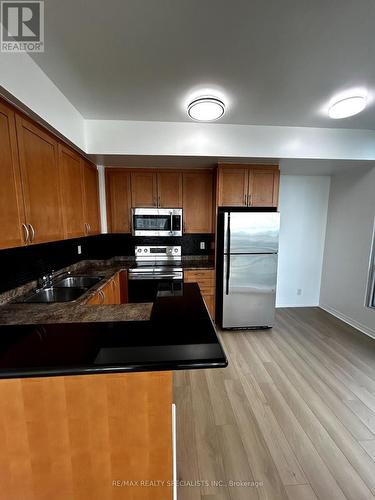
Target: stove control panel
x: 158, y: 252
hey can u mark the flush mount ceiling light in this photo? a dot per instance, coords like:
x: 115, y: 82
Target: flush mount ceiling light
x: 349, y: 106
x: 206, y: 109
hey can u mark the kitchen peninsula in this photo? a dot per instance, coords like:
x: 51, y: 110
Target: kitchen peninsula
x: 104, y: 425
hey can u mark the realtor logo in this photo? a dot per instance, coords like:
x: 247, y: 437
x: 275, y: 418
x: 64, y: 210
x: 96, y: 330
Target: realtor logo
x: 22, y: 26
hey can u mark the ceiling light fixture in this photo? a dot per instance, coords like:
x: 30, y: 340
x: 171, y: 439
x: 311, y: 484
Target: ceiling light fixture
x: 206, y: 109
x: 349, y: 106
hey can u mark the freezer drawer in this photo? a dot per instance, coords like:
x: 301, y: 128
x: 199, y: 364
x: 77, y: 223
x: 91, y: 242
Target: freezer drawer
x: 251, y: 232
x: 249, y: 290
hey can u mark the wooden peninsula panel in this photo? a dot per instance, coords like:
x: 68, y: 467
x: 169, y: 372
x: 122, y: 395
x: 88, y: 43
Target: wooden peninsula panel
x: 81, y: 437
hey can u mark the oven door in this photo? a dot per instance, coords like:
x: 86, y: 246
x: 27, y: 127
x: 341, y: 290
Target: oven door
x: 156, y: 222
x: 146, y: 287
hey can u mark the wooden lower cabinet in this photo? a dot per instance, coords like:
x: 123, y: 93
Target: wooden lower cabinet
x: 86, y: 437
x: 114, y: 291
x: 206, y: 281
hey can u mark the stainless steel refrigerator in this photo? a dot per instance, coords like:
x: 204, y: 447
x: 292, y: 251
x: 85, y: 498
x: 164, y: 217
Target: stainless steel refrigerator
x: 247, y: 268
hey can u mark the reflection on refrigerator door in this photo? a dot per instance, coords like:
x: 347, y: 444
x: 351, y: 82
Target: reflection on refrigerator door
x: 256, y: 232
x: 249, y: 290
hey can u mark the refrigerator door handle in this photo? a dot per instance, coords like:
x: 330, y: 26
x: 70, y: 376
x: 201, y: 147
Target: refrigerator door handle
x: 228, y: 258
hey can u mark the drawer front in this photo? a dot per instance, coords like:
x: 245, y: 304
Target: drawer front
x: 202, y: 274
x: 201, y: 281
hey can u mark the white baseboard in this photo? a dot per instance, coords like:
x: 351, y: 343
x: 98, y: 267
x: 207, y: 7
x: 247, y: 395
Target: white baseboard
x: 346, y: 319
x: 280, y: 306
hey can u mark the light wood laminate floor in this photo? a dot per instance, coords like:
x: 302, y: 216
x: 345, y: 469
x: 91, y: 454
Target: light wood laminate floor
x: 293, y: 415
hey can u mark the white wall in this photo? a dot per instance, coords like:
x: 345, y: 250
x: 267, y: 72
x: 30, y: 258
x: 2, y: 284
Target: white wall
x: 23, y: 78
x: 303, y: 208
x: 347, y: 249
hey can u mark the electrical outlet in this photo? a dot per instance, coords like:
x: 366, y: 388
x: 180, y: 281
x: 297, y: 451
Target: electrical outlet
x: 299, y: 291
x: 79, y: 249
x: 202, y: 245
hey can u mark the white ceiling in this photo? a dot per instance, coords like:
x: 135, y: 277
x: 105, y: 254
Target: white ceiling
x: 276, y: 62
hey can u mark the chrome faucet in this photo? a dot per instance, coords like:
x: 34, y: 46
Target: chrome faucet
x: 48, y: 280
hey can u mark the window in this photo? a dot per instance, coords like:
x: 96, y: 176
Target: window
x: 370, y: 302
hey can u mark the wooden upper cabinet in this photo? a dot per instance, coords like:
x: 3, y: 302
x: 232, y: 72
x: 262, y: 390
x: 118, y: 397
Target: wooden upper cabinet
x: 169, y: 189
x: 91, y: 197
x: 12, y: 216
x: 248, y: 185
x: 233, y: 186
x: 40, y: 181
x: 72, y: 192
x: 264, y: 187
x: 144, y: 189
x: 198, y: 202
x: 118, y: 200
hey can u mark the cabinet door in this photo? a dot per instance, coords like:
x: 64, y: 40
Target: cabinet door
x: 91, y: 197
x: 123, y: 281
x: 116, y: 291
x: 170, y: 189
x: 72, y: 192
x: 11, y: 202
x: 197, y: 202
x: 95, y: 300
x: 109, y: 293
x: 144, y: 189
x: 264, y: 186
x: 40, y: 181
x: 232, y: 187
x: 118, y: 200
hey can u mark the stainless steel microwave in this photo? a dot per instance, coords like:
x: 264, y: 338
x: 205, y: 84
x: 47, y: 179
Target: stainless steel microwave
x: 157, y: 221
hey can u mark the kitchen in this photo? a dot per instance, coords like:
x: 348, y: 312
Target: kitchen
x: 187, y: 274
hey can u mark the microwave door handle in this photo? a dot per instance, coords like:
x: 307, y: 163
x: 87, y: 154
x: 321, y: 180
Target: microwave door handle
x: 171, y: 215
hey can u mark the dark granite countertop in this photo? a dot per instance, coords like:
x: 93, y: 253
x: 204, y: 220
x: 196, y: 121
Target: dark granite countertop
x: 178, y: 335
x: 78, y: 311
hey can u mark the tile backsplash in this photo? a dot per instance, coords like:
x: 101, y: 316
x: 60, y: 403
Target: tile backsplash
x: 24, y: 264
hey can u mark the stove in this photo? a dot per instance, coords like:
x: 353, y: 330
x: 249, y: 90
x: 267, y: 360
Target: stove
x: 157, y: 273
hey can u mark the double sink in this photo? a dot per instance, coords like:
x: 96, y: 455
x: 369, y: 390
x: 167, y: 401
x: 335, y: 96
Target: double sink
x: 64, y: 290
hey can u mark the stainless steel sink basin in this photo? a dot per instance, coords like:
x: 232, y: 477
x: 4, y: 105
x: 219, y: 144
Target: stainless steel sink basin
x: 78, y: 281
x: 54, y: 294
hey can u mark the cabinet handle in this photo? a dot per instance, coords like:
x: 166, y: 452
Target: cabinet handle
x: 32, y: 238
x: 249, y: 200
x: 102, y: 296
x: 245, y: 199
x: 89, y: 227
x: 27, y: 234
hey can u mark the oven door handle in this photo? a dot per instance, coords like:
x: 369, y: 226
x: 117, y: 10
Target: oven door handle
x: 154, y: 276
